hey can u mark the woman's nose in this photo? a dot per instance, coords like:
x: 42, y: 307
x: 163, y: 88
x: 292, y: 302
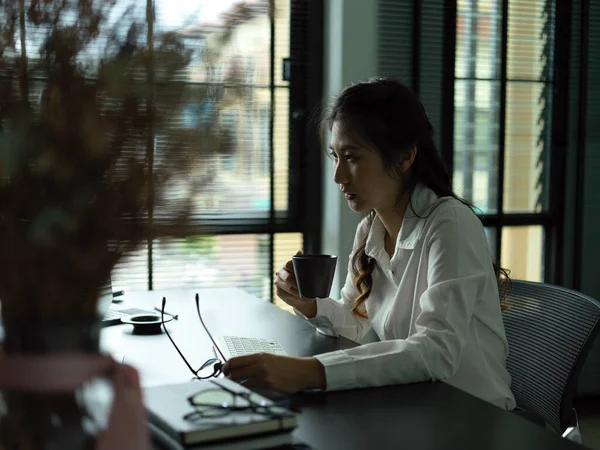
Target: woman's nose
x: 340, y: 174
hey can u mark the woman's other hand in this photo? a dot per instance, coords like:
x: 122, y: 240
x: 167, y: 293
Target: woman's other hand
x: 283, y: 373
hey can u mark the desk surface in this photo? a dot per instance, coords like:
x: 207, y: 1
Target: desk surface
x: 423, y: 416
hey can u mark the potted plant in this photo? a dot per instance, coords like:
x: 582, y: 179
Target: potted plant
x: 87, y: 156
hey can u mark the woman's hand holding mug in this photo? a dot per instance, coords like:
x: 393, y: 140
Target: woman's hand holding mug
x: 286, y: 289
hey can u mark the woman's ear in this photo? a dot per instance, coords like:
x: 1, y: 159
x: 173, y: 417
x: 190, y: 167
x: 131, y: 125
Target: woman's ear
x: 407, y: 162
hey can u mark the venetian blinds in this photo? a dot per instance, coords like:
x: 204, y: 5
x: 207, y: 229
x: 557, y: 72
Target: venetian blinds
x: 236, y: 92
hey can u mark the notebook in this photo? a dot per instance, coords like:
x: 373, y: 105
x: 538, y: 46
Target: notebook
x: 167, y: 405
x: 269, y: 441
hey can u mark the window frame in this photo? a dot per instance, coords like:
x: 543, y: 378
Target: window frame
x: 305, y: 90
x: 552, y: 219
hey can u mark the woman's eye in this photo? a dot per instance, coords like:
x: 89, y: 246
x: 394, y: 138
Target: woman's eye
x: 332, y: 155
x: 351, y: 158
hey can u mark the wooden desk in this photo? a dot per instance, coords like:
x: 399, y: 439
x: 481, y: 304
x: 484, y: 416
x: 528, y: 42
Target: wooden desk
x: 423, y: 416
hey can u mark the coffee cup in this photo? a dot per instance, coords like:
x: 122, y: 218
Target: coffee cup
x: 314, y: 274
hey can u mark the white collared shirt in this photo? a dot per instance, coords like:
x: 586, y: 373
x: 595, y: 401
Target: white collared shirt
x: 434, y: 306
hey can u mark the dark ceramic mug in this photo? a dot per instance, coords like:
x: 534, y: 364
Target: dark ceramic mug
x: 314, y: 274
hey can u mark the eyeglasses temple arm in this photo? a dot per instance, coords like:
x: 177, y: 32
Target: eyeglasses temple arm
x: 206, y: 329
x: 162, y: 318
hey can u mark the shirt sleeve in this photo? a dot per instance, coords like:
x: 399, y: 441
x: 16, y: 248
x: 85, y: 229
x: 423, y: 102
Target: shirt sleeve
x: 335, y: 317
x: 459, y: 265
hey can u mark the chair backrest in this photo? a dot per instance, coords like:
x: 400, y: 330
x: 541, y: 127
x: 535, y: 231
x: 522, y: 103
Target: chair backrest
x: 550, y: 330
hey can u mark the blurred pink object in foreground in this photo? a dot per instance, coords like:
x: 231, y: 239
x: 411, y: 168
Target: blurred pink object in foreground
x: 67, y: 372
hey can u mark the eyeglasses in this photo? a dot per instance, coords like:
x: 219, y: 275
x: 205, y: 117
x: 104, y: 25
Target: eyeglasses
x: 212, y: 403
x: 215, y: 363
x: 222, y: 401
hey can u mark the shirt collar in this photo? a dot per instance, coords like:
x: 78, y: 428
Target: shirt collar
x: 422, y: 199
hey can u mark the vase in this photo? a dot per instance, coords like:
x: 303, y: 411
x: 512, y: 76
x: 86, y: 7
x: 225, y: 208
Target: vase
x: 41, y: 413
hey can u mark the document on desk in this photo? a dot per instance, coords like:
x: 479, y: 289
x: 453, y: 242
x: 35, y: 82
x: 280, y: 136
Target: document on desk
x: 168, y: 405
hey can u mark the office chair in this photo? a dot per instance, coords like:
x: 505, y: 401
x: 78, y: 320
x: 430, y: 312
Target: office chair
x: 550, y: 330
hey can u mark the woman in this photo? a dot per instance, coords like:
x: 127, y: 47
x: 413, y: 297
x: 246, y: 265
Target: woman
x: 421, y: 273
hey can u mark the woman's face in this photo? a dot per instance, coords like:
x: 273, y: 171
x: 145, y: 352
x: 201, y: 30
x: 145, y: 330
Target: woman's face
x: 361, y: 174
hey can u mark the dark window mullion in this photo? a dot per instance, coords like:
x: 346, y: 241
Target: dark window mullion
x: 516, y: 220
x: 581, y: 141
x: 449, y: 63
x: 553, y: 263
x: 272, y: 156
x: 502, y: 126
x: 305, y: 166
x: 312, y: 223
x: 416, y: 46
x: 150, y: 109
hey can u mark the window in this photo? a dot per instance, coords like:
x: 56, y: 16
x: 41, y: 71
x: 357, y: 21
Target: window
x: 251, y: 205
x: 503, y: 89
x: 486, y: 72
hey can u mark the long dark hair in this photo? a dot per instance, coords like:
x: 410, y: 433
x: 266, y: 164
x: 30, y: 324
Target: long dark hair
x: 391, y: 117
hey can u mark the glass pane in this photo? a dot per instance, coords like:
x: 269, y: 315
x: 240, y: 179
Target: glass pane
x: 118, y: 16
x: 131, y: 273
x: 490, y: 233
x: 227, y: 163
x: 476, y: 122
x: 530, y: 39
x: 523, y: 252
x: 241, y: 57
x: 285, y: 246
x: 245, y: 57
x: 527, y: 150
x: 281, y: 147
x: 282, y: 38
x: 478, y: 36
x: 214, y: 261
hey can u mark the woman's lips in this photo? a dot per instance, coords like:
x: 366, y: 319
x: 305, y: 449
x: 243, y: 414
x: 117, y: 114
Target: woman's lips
x: 349, y: 196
